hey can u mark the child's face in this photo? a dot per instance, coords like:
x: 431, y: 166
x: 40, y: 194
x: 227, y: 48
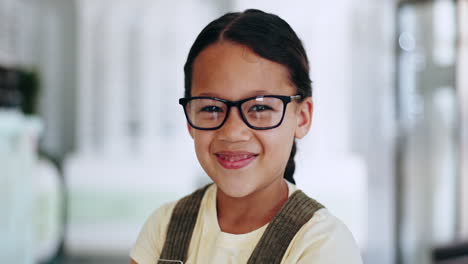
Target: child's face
x: 241, y: 160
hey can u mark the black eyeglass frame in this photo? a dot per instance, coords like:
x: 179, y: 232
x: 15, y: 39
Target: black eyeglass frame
x: 286, y: 99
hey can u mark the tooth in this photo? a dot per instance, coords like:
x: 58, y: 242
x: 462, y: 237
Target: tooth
x: 233, y: 158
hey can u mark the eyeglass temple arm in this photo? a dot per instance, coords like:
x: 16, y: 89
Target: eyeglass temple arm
x: 295, y: 97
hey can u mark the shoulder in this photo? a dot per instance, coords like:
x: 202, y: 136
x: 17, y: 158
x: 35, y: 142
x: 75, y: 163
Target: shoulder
x: 325, y: 226
x: 150, y: 240
x: 158, y: 221
x: 152, y: 236
x: 162, y: 215
x: 324, y: 239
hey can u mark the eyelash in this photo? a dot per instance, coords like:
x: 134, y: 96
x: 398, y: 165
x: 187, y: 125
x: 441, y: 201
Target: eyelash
x: 211, y: 108
x: 265, y: 108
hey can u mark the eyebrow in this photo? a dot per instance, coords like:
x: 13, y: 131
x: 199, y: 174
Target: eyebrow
x: 254, y: 93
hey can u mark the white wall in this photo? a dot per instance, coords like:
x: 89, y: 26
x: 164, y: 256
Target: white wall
x: 463, y: 100
x: 8, y: 26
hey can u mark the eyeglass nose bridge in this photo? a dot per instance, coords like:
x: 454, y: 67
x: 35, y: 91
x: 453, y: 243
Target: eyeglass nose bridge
x: 234, y: 103
x: 238, y: 105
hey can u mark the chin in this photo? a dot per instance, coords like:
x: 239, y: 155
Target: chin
x: 235, y: 189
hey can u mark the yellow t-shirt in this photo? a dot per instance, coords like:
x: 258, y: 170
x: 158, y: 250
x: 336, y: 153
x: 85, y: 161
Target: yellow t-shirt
x: 322, y: 240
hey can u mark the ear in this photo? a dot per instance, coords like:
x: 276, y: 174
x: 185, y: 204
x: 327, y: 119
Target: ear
x: 304, y: 117
x: 190, y: 129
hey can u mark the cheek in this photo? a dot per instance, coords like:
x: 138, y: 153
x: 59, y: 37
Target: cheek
x: 202, y: 141
x: 277, y: 144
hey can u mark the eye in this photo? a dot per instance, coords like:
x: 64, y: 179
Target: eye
x: 211, y: 109
x: 260, y: 108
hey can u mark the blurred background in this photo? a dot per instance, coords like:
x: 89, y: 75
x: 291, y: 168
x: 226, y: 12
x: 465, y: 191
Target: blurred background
x: 92, y: 139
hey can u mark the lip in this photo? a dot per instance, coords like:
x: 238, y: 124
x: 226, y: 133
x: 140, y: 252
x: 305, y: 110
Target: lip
x: 235, y: 160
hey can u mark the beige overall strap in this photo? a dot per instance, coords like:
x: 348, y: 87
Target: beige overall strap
x: 297, y: 211
x: 180, y: 229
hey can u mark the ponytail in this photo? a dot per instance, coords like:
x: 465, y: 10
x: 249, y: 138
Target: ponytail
x: 291, y: 166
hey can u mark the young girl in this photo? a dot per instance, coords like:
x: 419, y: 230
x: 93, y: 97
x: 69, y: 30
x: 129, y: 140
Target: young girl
x: 247, y: 98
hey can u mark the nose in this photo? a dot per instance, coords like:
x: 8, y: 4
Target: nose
x: 234, y: 128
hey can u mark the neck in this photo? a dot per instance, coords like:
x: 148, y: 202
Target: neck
x: 245, y: 214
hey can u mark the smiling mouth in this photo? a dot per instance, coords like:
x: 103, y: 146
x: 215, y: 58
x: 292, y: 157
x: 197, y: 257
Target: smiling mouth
x: 235, y: 160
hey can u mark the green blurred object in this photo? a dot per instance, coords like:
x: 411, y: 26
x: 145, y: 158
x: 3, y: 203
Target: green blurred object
x: 19, y: 89
x: 28, y: 86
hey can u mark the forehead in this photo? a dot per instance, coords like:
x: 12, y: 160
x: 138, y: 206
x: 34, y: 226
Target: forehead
x: 233, y: 71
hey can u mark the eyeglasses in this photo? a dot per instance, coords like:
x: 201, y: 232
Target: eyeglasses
x: 258, y: 112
